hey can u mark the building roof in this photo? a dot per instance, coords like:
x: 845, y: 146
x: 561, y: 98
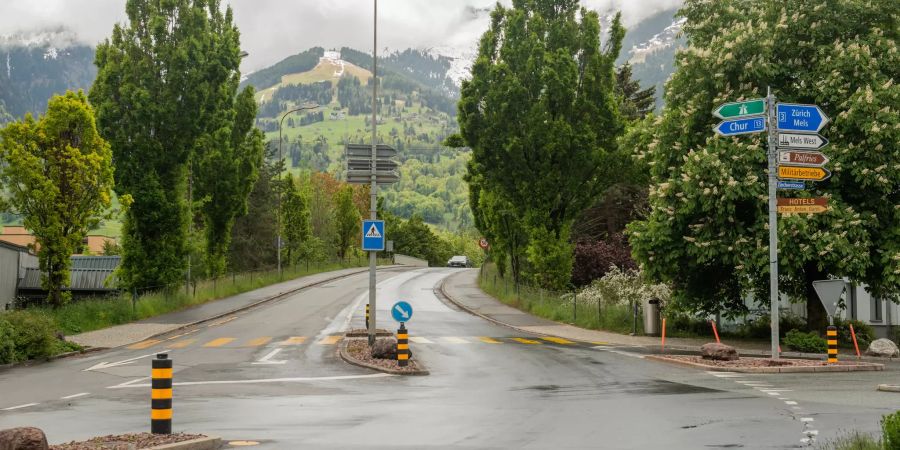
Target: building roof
x: 12, y: 246
x: 88, y: 273
x: 95, y: 262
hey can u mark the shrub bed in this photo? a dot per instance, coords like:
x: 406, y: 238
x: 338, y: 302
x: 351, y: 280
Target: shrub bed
x: 805, y: 342
x: 26, y: 335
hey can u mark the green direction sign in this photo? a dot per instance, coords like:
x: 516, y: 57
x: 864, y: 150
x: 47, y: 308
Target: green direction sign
x: 741, y: 109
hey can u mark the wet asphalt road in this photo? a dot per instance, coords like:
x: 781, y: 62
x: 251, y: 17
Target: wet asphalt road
x: 272, y: 375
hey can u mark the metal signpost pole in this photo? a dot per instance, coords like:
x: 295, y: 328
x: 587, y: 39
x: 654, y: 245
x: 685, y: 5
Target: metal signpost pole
x: 773, y: 221
x: 374, y: 185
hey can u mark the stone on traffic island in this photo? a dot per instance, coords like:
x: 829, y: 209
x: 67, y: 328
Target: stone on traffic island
x: 25, y: 438
x: 718, y: 352
x: 385, y: 348
x: 883, y: 347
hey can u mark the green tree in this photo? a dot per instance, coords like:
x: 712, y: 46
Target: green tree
x: 636, y: 103
x: 164, y: 96
x: 346, y: 220
x: 58, y: 174
x: 706, y: 232
x: 541, y: 116
x: 296, y: 222
x: 254, y: 234
x: 415, y: 238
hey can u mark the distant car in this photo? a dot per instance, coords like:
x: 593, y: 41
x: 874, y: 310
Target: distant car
x: 459, y: 261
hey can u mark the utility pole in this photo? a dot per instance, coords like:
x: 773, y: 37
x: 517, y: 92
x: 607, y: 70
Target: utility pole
x: 281, y: 161
x: 373, y: 189
x: 773, y: 221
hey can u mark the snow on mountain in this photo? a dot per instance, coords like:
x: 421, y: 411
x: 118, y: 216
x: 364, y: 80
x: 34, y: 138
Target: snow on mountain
x: 52, y: 39
x: 660, y: 41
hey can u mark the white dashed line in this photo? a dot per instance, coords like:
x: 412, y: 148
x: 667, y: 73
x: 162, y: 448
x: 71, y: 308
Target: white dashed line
x: 807, y: 419
x: 11, y: 408
x: 69, y: 397
x: 790, y: 402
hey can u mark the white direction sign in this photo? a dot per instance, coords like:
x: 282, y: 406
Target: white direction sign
x: 801, y: 141
x: 829, y: 292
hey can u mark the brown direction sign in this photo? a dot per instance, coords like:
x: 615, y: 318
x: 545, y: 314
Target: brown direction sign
x: 803, y: 173
x: 803, y: 205
x: 805, y: 159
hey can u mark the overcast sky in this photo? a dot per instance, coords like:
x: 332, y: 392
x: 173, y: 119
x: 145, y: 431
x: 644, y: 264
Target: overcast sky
x: 274, y: 29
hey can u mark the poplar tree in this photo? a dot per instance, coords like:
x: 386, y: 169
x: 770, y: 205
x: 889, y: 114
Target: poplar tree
x: 707, y: 230
x: 541, y: 116
x: 165, y: 99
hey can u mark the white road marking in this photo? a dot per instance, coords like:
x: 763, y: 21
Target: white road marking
x: 776, y: 390
x: 420, y: 340
x: 618, y: 352
x: 807, y: 419
x: 128, y: 383
x: 267, y: 360
x: 811, y: 433
x: 455, y: 340
x: 267, y: 380
x: 107, y: 365
x: 69, y: 397
x: 797, y: 408
x: 790, y: 402
x: 20, y: 406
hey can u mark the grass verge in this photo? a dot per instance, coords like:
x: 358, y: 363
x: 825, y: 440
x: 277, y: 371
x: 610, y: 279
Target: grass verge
x: 557, y: 306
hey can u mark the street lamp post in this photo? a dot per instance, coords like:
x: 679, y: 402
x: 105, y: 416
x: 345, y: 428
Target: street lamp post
x: 281, y: 159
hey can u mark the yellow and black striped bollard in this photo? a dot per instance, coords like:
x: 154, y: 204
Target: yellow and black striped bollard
x: 367, y: 316
x: 161, y: 395
x: 402, y: 346
x: 832, y: 345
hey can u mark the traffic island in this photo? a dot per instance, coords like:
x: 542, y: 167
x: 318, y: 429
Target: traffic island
x: 356, y: 351
x: 147, y: 441
x: 362, y: 332
x: 766, y: 365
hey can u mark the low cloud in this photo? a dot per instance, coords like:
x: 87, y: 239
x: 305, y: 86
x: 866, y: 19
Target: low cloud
x: 274, y: 29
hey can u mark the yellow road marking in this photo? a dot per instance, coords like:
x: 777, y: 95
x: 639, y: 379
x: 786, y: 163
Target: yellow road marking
x: 455, y: 340
x: 181, y: 335
x: 488, y: 340
x: 329, y: 340
x: 420, y: 340
x: 183, y: 343
x: 557, y: 340
x: 145, y: 344
x: 526, y: 341
x: 258, y: 341
x: 222, y: 321
x: 293, y: 340
x: 218, y: 342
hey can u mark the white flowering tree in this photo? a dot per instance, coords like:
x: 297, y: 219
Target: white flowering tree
x: 622, y: 287
x: 707, y: 233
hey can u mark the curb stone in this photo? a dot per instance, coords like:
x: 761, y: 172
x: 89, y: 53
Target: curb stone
x: 889, y: 388
x: 441, y: 292
x: 35, y: 362
x: 345, y: 355
x: 787, y: 369
x: 206, y: 443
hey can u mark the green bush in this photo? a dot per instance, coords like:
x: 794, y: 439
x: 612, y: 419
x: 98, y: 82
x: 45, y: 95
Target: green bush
x: 865, y: 334
x: 805, y: 342
x: 34, y: 334
x: 890, y: 429
x: 761, y: 326
x: 853, y: 441
x: 7, y: 342
x: 683, y: 325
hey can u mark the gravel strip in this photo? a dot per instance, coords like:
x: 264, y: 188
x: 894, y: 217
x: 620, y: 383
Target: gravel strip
x: 127, y: 441
x: 359, y: 349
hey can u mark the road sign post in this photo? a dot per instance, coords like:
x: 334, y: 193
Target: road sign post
x: 801, y: 141
x: 803, y: 173
x: 741, y: 126
x: 802, y: 118
x: 373, y: 235
x: 773, y: 227
x: 402, y: 311
x: 755, y: 107
x: 803, y: 205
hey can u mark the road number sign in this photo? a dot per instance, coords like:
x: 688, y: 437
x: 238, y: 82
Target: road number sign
x: 401, y: 311
x: 803, y: 173
x: 801, y: 141
x: 741, y: 126
x: 483, y: 243
x: 804, y: 118
x: 803, y: 205
x: 741, y: 109
x: 805, y: 159
x: 373, y: 235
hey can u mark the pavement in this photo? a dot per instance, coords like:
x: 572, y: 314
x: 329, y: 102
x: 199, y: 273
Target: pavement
x: 271, y: 374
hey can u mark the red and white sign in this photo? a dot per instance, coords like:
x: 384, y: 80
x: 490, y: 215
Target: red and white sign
x: 483, y: 243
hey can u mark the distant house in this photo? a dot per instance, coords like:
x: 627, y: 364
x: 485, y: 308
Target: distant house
x: 17, y: 235
x: 14, y: 261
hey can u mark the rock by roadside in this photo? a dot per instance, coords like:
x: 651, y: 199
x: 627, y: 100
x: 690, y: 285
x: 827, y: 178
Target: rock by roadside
x: 24, y: 438
x: 128, y: 441
x: 356, y: 351
x: 885, y: 348
x: 718, y: 352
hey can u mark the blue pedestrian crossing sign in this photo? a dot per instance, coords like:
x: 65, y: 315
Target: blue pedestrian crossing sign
x: 373, y: 235
x: 402, y: 311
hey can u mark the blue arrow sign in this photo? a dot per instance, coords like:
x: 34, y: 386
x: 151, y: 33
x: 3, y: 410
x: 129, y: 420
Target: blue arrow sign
x: 741, y: 126
x: 793, y: 185
x: 373, y: 235
x: 808, y: 118
x: 402, y: 311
